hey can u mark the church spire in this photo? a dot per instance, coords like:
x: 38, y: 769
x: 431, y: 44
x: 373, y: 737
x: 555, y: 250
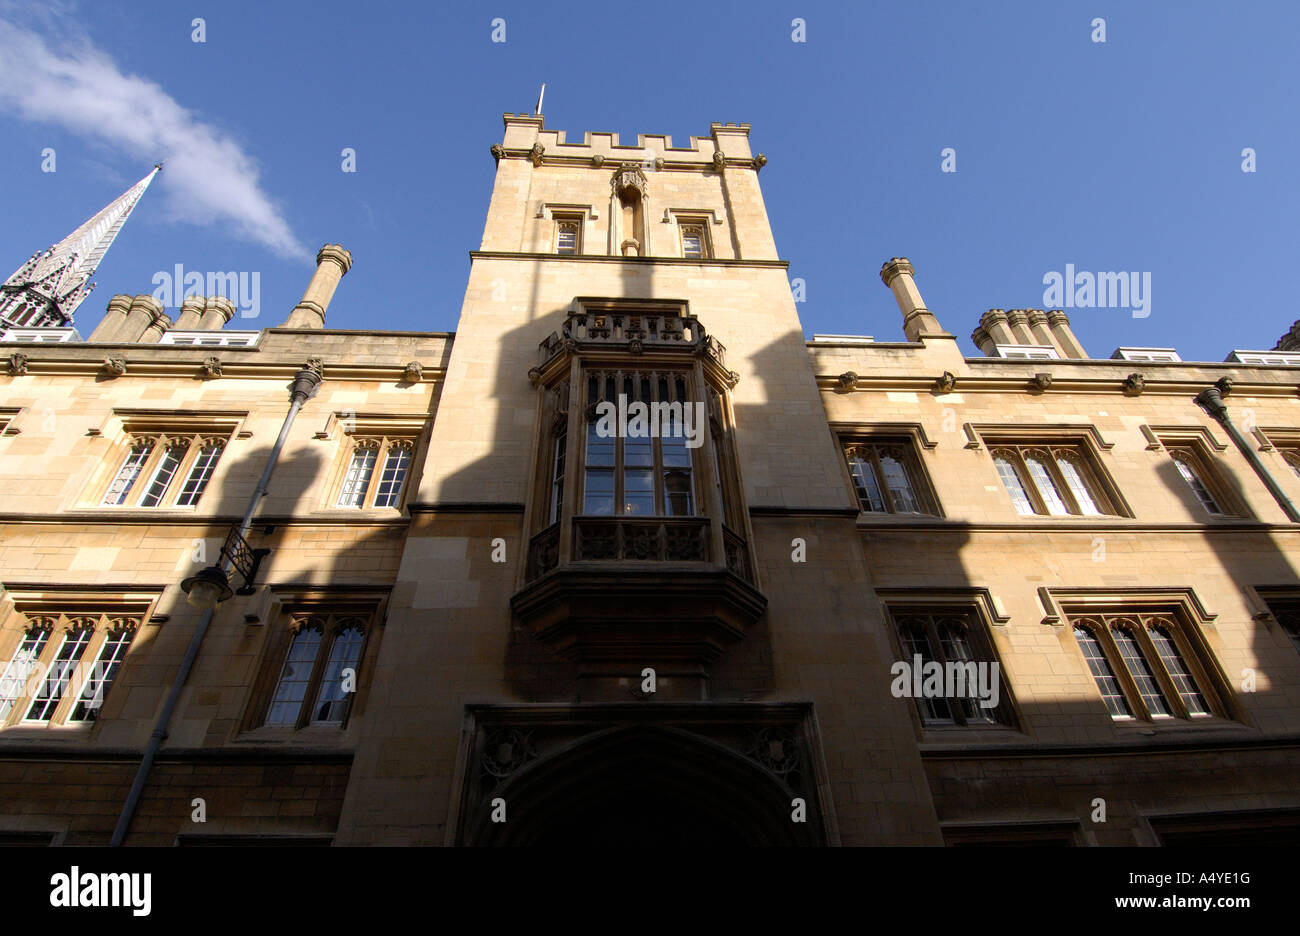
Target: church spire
x: 47, y: 289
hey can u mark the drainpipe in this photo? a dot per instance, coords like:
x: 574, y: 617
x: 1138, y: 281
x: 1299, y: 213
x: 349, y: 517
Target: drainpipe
x: 305, y: 383
x: 1211, y: 400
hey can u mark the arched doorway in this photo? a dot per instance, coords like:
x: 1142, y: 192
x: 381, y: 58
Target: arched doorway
x: 640, y: 786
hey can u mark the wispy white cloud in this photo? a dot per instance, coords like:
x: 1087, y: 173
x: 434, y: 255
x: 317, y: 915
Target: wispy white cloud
x: 208, y: 178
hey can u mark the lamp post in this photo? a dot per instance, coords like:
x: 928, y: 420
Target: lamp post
x: 211, y: 586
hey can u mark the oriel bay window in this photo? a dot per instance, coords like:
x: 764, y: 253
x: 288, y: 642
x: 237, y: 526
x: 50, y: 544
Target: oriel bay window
x: 634, y: 464
x: 636, y: 444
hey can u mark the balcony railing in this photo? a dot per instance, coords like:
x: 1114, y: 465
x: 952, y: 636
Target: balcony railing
x: 662, y: 539
x: 635, y: 332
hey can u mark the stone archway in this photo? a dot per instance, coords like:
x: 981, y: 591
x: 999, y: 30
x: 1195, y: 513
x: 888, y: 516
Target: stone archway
x: 643, y: 785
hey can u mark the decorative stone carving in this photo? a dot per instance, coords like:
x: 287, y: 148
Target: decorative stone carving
x: 634, y: 346
x: 847, y: 380
x: 629, y: 176
x: 114, y: 366
x: 719, y: 160
x: 1134, y: 384
x: 1225, y: 385
x: 659, y: 162
x: 498, y: 152
x: 17, y: 364
x: 1040, y: 382
x: 759, y: 162
x: 316, y: 366
x: 733, y: 378
x: 598, y: 160
x: 536, y: 153
x: 210, y: 368
x: 946, y: 383
x: 534, y: 376
x: 414, y: 371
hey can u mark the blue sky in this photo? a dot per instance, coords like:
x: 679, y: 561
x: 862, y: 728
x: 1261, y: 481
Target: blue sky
x: 1115, y: 156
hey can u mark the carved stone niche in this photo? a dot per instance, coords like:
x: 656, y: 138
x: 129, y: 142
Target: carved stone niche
x: 629, y: 178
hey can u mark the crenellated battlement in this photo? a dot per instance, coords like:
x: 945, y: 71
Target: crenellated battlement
x: 525, y: 131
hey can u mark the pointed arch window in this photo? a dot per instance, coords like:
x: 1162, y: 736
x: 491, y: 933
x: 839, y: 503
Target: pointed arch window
x: 164, y: 470
x: 63, y: 665
x: 1148, y: 666
x: 376, y: 472
x: 1051, y: 480
x: 317, y: 671
x: 888, y: 478
x: 1193, y: 473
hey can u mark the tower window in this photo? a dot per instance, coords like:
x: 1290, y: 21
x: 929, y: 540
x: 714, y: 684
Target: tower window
x: 568, y: 236
x: 694, y: 242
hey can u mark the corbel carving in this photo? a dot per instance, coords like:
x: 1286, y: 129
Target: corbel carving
x: 114, y: 366
x: 536, y: 153
x: 847, y: 380
x: 1134, y: 384
x: 210, y: 369
x: 17, y: 364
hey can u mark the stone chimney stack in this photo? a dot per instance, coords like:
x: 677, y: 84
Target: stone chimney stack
x: 145, y: 311
x: 917, y: 319
x: 332, y: 263
x: 190, y: 314
x: 114, y: 320
x: 1065, y: 340
x: 217, y: 311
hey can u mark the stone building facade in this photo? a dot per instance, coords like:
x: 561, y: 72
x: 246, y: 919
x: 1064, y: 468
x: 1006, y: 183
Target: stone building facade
x: 478, y: 618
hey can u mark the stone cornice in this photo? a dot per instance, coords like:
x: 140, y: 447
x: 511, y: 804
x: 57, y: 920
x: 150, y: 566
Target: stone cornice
x: 605, y: 258
x: 54, y: 362
x: 893, y: 523
x: 1059, y: 384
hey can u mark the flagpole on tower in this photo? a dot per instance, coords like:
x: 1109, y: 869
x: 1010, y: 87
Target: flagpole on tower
x: 540, y: 95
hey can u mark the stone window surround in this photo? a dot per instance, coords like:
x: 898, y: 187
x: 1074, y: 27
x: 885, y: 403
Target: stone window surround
x: 912, y: 438
x: 1205, y: 452
x: 351, y: 430
x: 335, y: 605
x: 106, y: 612
x: 986, y: 617
x: 1085, y: 439
x: 126, y: 428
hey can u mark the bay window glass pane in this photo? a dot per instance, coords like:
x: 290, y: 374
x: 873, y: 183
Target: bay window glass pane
x: 102, y: 674
x: 345, y: 654
x: 557, y: 478
x: 899, y: 485
x: 1178, y: 672
x: 598, y: 494
x: 393, y: 478
x: 1188, y: 470
x: 866, y: 484
x: 916, y: 644
x: 200, y: 473
x: 679, y: 498
x: 357, y: 480
x: 60, y: 674
x: 1147, y: 685
x: 1078, y: 487
x: 956, y: 649
x: 286, y: 702
x: 162, y: 477
x: 1046, y: 486
x: 1015, y: 488
x: 1102, y: 674
x: 14, y: 681
x: 127, y: 474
